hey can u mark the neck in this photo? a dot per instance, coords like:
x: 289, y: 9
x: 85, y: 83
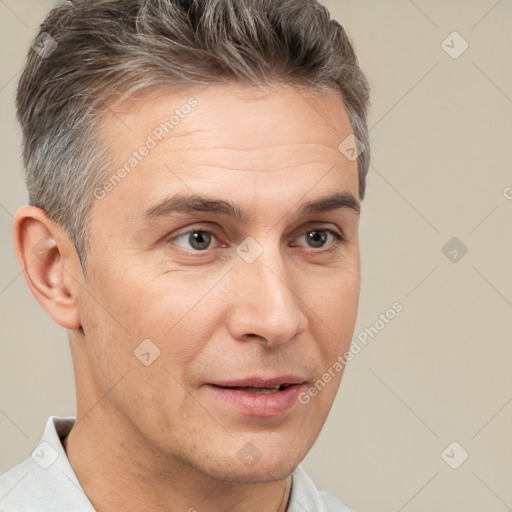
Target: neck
x: 117, y: 478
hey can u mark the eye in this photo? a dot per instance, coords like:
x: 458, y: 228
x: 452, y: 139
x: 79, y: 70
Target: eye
x: 318, y: 238
x: 197, y: 240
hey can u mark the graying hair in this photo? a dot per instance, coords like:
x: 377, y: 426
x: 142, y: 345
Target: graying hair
x: 95, y: 51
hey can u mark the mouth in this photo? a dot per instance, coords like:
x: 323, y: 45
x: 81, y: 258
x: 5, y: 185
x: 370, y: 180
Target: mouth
x: 257, y: 396
x: 258, y: 390
x: 261, y: 384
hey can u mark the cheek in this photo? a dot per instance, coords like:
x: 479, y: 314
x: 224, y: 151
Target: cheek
x: 332, y: 317
x: 113, y: 309
x: 335, y: 302
x: 140, y: 342
x: 171, y: 310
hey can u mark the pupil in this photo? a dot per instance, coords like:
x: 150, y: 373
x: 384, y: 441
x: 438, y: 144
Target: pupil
x: 317, y: 236
x: 199, y: 240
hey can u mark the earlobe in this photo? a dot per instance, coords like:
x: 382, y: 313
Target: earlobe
x: 46, y: 255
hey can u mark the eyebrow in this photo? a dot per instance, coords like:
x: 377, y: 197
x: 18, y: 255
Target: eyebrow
x: 194, y: 203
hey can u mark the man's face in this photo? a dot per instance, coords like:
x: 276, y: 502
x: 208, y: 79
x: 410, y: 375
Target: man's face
x: 225, y: 299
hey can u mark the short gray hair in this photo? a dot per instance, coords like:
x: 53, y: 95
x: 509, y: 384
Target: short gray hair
x: 94, y: 51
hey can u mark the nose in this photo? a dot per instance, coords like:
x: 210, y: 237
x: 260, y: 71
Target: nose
x: 265, y: 302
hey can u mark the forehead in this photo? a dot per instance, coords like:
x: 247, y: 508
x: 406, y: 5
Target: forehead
x: 234, y: 93
x: 247, y: 117
x: 222, y: 134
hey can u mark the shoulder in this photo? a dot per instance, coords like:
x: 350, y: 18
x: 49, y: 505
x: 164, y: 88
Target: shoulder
x: 45, y: 481
x: 305, y: 497
x: 14, y: 485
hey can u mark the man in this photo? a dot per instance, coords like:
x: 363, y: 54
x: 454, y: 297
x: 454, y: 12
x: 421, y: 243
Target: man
x: 195, y: 172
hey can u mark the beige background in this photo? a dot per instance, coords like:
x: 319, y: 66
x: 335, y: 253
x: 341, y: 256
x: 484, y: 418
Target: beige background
x: 440, y: 371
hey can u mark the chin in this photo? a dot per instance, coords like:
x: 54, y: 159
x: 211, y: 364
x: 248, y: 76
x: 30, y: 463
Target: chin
x: 261, y: 473
x: 270, y: 462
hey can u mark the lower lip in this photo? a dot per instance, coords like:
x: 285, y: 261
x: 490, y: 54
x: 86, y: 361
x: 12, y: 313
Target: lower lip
x: 259, y: 404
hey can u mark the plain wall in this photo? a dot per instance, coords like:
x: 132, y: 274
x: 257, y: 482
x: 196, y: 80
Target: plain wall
x: 439, y: 372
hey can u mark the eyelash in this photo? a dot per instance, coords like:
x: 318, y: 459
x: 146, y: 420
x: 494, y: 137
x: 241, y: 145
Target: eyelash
x: 338, y: 239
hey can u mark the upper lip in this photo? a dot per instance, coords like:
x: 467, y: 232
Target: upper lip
x: 260, y: 382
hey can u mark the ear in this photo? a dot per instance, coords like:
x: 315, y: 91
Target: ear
x: 50, y: 264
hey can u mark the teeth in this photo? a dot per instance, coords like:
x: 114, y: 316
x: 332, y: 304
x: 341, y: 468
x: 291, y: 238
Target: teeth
x: 261, y: 390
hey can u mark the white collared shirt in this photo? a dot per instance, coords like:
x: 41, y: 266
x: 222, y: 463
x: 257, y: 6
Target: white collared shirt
x: 46, y: 482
